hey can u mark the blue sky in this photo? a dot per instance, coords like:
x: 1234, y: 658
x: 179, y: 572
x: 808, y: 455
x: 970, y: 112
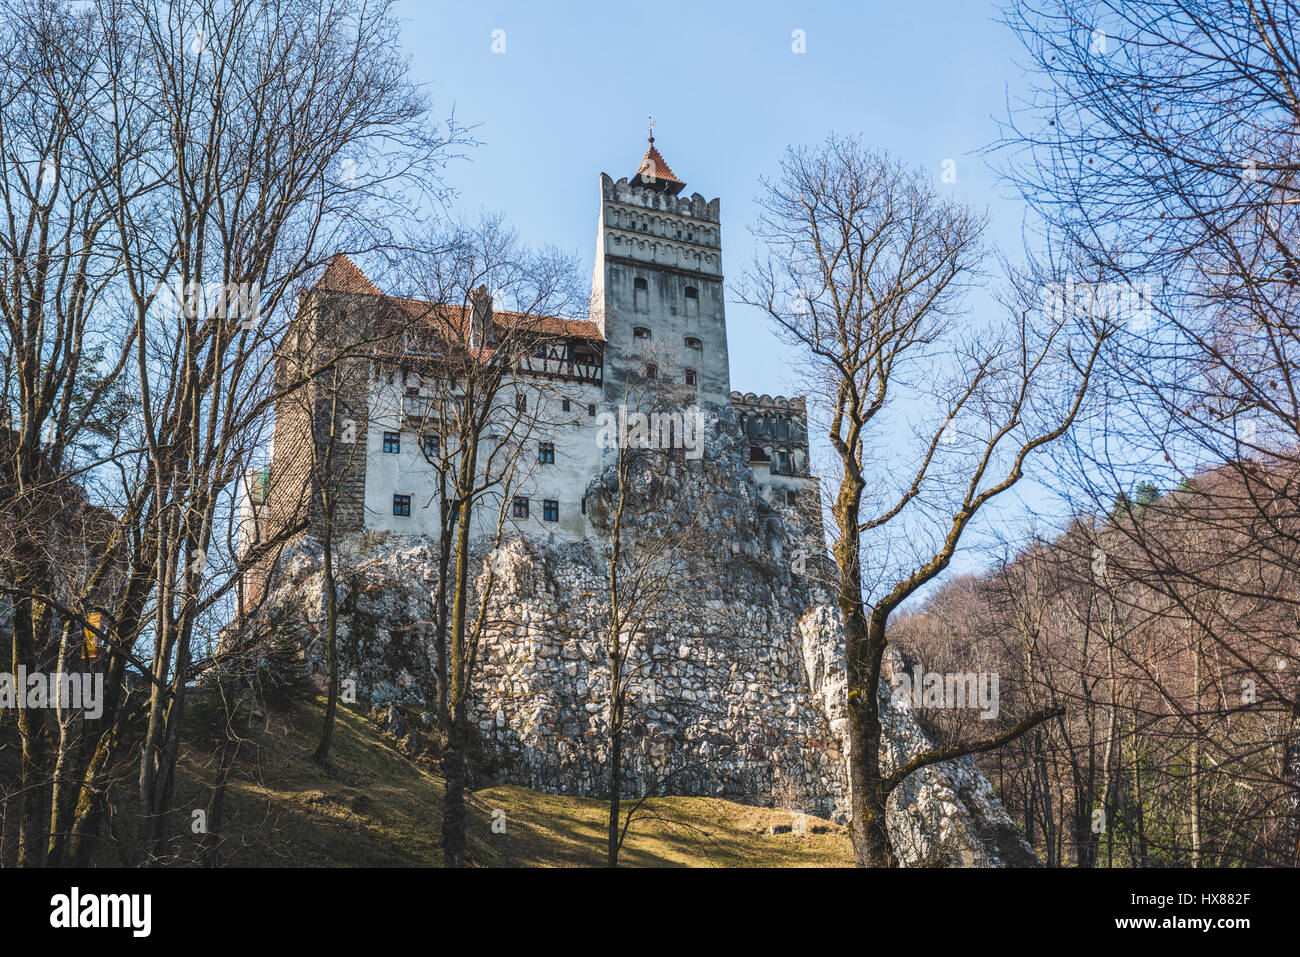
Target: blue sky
x: 568, y: 99
x: 569, y: 96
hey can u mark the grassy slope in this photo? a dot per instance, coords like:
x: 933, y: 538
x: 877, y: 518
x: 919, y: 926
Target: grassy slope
x: 373, y: 806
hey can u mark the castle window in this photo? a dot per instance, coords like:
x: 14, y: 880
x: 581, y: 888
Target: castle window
x: 550, y: 510
x: 791, y: 497
x: 402, y: 505
x: 584, y: 505
x: 591, y: 410
x: 520, y: 509
x: 430, y: 445
x: 640, y: 332
x: 546, y: 453
x: 640, y: 295
x: 521, y: 402
x: 692, y: 301
x: 651, y: 371
x: 690, y: 377
x: 693, y: 343
x: 392, y: 441
x: 564, y: 405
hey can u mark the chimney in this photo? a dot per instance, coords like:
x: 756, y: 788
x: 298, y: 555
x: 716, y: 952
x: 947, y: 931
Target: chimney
x: 480, y: 317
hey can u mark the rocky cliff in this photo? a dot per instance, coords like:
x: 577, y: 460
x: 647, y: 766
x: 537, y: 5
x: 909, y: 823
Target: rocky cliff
x: 739, y: 690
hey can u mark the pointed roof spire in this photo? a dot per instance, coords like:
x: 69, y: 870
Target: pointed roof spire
x: 654, y: 171
x: 342, y: 275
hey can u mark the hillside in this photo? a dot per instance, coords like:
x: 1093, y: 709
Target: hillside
x: 376, y: 807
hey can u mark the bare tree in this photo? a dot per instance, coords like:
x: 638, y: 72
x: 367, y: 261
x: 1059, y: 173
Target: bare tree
x: 482, y: 403
x: 1160, y: 146
x: 645, y: 561
x: 202, y: 143
x: 863, y: 274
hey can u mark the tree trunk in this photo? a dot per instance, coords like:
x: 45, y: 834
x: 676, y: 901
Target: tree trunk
x: 615, y: 784
x: 31, y: 730
x: 453, y: 819
x: 453, y: 807
x: 322, y: 753
x: 868, y: 828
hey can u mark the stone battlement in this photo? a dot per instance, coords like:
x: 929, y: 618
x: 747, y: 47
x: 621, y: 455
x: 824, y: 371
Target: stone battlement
x: 694, y: 206
x: 747, y: 400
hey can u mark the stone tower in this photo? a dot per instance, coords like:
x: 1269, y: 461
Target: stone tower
x: 657, y: 285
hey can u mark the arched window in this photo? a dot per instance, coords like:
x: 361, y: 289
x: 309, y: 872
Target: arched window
x: 693, y: 343
x: 651, y: 371
x: 690, y: 377
x: 640, y: 332
x: 640, y: 295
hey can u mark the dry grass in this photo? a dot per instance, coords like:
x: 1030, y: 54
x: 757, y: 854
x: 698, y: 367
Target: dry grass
x: 375, y: 807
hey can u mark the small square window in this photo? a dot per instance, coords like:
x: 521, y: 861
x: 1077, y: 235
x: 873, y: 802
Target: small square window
x: 550, y: 510
x: 564, y: 405
x: 521, y: 506
x: 392, y: 441
x: 546, y: 453
x: 431, y: 445
x: 401, y: 505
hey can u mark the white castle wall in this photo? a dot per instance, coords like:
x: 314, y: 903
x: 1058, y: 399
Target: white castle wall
x: 578, y: 457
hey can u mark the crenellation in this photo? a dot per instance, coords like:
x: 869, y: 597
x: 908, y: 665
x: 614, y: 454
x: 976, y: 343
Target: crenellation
x: 694, y: 206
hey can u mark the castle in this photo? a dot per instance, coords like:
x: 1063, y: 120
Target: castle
x: 657, y: 312
x: 740, y: 685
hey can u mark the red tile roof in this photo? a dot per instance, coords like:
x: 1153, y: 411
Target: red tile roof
x: 457, y: 316
x: 341, y: 275
x: 654, y: 167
